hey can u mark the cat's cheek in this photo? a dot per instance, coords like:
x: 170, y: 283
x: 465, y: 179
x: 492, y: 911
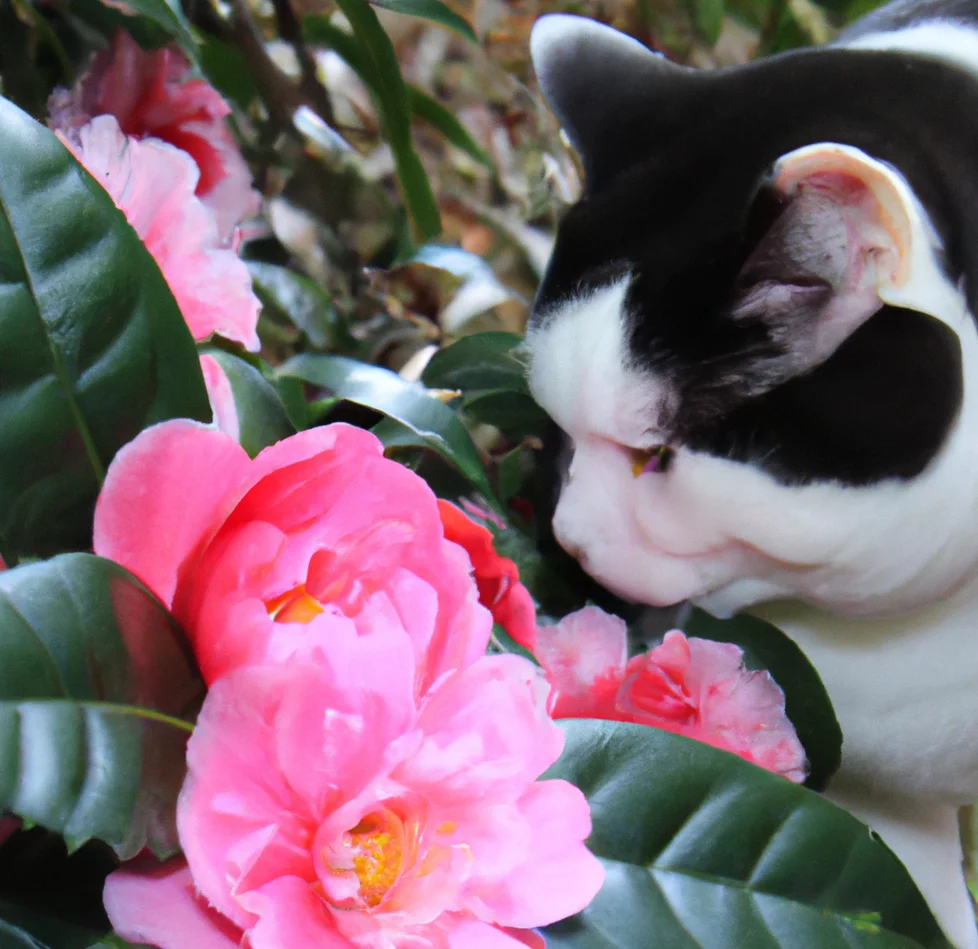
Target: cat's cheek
x: 640, y: 537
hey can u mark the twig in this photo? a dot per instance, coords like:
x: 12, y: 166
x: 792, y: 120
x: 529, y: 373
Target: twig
x: 280, y: 95
x: 290, y: 30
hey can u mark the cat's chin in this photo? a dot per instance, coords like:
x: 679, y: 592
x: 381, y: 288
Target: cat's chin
x: 738, y: 596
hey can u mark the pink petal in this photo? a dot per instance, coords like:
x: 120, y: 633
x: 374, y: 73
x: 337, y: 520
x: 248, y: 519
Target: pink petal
x: 584, y: 657
x: 473, y: 934
x: 163, y: 495
x: 153, y: 184
x: 221, y: 397
x: 291, y: 916
x: 160, y: 908
x: 561, y: 876
x: 240, y: 822
x: 486, y: 732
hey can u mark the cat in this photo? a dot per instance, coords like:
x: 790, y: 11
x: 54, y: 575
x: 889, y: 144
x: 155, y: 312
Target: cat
x: 757, y: 333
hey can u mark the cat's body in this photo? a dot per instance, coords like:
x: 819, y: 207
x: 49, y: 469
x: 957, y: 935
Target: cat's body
x: 775, y: 273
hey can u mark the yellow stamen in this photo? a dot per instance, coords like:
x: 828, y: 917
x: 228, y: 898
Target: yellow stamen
x: 294, y: 606
x: 378, y: 845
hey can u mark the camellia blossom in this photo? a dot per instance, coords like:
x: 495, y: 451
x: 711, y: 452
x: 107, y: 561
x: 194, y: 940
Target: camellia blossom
x: 498, y: 578
x: 152, y: 183
x: 692, y: 687
x: 151, y: 94
x: 326, y: 806
x: 262, y: 558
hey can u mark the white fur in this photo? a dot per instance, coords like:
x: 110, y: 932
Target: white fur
x: 951, y: 42
x: 905, y: 687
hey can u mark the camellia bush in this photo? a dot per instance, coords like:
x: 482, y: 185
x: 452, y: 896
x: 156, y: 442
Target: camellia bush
x: 289, y: 658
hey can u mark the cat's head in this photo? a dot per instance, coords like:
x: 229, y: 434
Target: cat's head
x: 755, y: 306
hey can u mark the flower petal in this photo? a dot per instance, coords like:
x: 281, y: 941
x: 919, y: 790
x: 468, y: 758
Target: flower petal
x: 163, y: 494
x: 584, y: 657
x: 160, y: 908
x: 221, y: 397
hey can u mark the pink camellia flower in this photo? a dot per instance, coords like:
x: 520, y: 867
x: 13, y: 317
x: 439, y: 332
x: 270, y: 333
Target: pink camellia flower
x: 261, y: 558
x: 152, y: 95
x: 152, y: 183
x: 326, y: 806
x: 692, y: 687
x: 498, y: 578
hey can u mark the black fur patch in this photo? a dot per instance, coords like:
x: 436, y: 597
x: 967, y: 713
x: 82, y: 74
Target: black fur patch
x: 879, y: 407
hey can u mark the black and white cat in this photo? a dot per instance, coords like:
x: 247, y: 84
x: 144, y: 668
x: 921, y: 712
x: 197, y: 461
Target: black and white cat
x: 774, y: 274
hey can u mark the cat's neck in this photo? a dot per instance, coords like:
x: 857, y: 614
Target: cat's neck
x: 904, y: 689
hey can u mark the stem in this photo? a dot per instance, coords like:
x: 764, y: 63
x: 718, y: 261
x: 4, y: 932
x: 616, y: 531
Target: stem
x: 280, y: 96
x: 290, y: 30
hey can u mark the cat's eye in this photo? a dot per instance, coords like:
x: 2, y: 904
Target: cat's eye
x: 658, y: 458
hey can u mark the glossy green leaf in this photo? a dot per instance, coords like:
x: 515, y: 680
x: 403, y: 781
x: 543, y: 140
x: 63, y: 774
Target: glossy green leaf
x: 807, y: 704
x: 93, y: 347
x: 97, y: 684
x: 707, y: 851
x: 433, y: 10
x: 390, y: 96
x: 434, y: 423
x: 262, y: 418
x: 435, y: 114
x: 478, y: 362
x: 302, y: 300
x: 168, y: 15
x: 514, y: 413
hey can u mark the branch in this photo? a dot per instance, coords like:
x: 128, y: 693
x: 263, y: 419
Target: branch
x: 290, y: 30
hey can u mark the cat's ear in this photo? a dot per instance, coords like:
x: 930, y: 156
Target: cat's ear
x: 606, y: 88
x: 840, y: 242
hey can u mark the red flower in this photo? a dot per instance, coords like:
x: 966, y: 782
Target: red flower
x: 497, y: 578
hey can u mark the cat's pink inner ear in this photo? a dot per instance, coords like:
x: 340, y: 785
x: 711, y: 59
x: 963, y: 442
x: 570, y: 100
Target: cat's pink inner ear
x: 875, y: 196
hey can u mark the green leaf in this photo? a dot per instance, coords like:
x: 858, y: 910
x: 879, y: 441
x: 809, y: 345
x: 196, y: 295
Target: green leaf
x: 262, y: 418
x: 93, y: 347
x: 96, y: 685
x: 478, y: 362
x: 168, y: 15
x: 433, y: 10
x: 703, y: 849
x: 708, y: 16
x: 13, y: 937
x: 45, y: 930
x: 433, y: 112
x: 503, y: 642
x: 807, y: 704
x: 512, y: 412
x: 434, y: 423
x: 319, y: 30
x: 227, y: 70
x: 391, y: 100
x: 302, y: 300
